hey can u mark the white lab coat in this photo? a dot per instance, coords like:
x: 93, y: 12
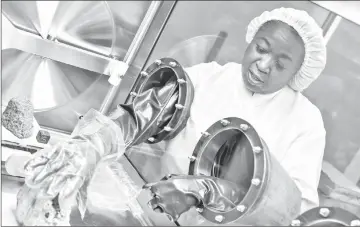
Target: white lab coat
x: 289, y: 123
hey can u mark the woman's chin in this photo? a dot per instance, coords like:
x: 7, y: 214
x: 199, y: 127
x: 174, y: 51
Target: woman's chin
x: 252, y: 87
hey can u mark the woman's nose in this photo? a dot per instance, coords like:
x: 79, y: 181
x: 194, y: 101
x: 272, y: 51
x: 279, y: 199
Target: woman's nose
x: 264, y: 64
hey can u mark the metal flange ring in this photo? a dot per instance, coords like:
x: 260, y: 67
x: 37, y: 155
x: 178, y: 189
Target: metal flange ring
x: 327, y: 216
x: 204, y: 155
x: 185, y: 97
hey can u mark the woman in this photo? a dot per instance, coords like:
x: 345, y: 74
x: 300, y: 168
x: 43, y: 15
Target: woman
x: 286, y: 53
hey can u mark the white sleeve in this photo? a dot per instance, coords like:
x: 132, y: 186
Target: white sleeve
x: 200, y: 72
x: 197, y: 74
x: 303, y: 163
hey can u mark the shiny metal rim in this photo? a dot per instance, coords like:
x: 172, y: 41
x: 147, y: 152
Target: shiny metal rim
x: 324, y: 216
x: 261, y: 164
x: 184, y: 100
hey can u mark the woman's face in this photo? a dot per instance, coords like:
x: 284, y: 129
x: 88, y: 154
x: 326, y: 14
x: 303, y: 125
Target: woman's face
x: 272, y: 58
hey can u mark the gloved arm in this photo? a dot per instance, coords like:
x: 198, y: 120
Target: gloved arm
x: 63, y: 172
x: 229, y: 182
x: 307, y: 150
x: 149, y: 112
x: 59, y: 174
x: 66, y: 169
x: 176, y: 194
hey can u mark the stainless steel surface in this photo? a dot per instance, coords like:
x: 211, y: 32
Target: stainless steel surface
x: 104, y: 27
x: 98, y: 27
x: 60, y: 92
x: 6, y: 32
x: 29, y: 43
x: 30, y: 16
x: 135, y: 45
x: 142, y: 55
x: 64, y: 118
x: 48, y: 84
x: 23, y: 15
x: 84, y: 24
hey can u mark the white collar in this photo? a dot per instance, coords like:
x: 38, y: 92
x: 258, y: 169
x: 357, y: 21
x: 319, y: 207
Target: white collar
x: 259, y: 99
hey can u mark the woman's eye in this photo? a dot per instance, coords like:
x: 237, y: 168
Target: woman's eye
x: 279, y: 65
x: 260, y: 49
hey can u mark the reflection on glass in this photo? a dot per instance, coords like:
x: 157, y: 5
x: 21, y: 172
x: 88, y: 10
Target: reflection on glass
x: 198, y: 49
x: 193, y: 25
x: 337, y: 92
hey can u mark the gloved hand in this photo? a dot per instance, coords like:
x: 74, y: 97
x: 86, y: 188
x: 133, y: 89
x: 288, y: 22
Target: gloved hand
x: 64, y: 171
x: 159, y: 104
x: 59, y: 174
x: 34, y: 208
x: 176, y: 194
x: 149, y: 112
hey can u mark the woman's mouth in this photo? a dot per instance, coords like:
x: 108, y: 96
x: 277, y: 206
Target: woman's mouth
x: 254, y: 79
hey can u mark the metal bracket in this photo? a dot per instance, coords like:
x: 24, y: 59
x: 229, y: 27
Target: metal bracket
x: 117, y: 70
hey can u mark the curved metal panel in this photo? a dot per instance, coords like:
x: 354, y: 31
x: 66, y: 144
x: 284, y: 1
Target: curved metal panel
x: 30, y: 16
x: 23, y: 15
x: 64, y: 118
x: 47, y: 83
x: 107, y: 28
x: 84, y: 24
